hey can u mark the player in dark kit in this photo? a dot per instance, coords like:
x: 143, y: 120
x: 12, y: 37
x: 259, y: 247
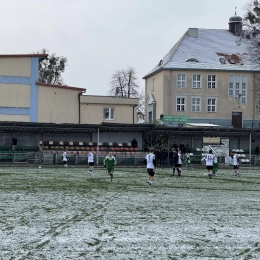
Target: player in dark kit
x: 175, y: 161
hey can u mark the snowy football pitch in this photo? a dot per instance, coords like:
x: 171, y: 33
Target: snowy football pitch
x: 50, y: 213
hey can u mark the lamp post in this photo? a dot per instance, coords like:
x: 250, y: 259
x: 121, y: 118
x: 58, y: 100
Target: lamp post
x: 106, y: 116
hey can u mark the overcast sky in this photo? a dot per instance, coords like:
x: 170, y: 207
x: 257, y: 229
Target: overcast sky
x: 100, y: 36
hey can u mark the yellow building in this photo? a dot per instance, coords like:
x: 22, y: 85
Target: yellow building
x: 24, y: 99
x: 207, y: 77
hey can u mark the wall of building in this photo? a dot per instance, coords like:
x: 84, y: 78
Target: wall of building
x: 15, y: 67
x: 92, y: 109
x: 15, y: 95
x: 155, y: 85
x: 225, y: 105
x: 18, y: 89
x: 93, y: 113
x: 58, y: 105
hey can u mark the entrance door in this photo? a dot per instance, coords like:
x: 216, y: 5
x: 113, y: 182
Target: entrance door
x: 237, y: 119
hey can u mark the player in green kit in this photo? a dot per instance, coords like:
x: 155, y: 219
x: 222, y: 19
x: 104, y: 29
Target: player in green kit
x: 109, y: 163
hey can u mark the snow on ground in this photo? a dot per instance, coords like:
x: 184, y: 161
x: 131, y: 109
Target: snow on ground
x: 50, y: 213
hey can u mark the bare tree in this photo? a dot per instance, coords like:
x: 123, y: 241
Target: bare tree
x: 251, y: 35
x: 251, y: 23
x: 141, y: 105
x: 50, y: 69
x: 124, y: 83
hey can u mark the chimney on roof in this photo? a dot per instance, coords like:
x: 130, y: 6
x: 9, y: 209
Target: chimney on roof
x: 235, y: 24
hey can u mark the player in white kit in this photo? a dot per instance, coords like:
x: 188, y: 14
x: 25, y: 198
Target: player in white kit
x: 151, y: 164
x: 235, y: 158
x: 209, y: 158
x: 91, y: 161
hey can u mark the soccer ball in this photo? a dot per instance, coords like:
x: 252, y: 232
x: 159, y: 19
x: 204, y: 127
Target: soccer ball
x: 40, y: 167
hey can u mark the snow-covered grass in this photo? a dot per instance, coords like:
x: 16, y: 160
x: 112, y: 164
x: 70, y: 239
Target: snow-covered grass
x: 50, y: 213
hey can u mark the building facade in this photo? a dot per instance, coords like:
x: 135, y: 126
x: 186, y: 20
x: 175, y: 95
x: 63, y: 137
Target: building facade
x: 24, y: 99
x: 207, y: 77
x: 97, y: 109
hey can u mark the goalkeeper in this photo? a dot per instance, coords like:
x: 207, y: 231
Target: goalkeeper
x: 109, y: 163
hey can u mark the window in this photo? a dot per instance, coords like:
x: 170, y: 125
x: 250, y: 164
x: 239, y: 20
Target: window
x: 212, y: 81
x: 196, y: 81
x: 150, y: 117
x: 192, y: 60
x: 196, y: 104
x: 222, y: 60
x: 108, y: 113
x: 180, y: 125
x: 180, y: 104
x: 212, y: 104
x: 181, y: 81
x: 237, y: 88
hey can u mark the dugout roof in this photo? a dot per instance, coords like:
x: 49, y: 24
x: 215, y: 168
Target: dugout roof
x: 43, y: 128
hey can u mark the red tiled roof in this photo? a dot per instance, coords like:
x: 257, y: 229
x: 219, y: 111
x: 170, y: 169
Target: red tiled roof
x: 59, y: 86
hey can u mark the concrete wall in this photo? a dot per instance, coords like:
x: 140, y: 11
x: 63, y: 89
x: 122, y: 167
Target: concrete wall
x: 15, y: 95
x: 14, y: 118
x: 18, y: 89
x: 57, y: 105
x: 15, y: 66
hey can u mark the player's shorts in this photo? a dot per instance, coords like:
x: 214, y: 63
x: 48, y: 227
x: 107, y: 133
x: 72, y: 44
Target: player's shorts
x: 178, y: 165
x: 91, y: 163
x: 110, y: 169
x: 65, y: 162
x: 209, y: 167
x: 235, y: 167
x: 150, y: 172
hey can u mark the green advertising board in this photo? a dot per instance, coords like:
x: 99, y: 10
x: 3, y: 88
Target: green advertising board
x: 184, y: 119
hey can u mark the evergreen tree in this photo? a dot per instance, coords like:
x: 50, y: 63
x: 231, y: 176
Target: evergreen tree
x: 50, y: 69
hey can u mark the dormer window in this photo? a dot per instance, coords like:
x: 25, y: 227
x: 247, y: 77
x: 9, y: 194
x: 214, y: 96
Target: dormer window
x: 192, y: 60
x: 232, y: 61
x: 160, y: 63
x: 222, y: 60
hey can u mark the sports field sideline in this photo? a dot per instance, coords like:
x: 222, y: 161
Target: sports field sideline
x: 51, y: 213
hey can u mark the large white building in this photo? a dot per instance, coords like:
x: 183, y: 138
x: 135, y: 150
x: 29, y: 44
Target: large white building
x: 207, y: 77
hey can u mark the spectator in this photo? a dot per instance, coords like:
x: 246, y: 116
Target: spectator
x: 187, y: 148
x: 182, y: 148
x: 164, y: 157
x: 14, y: 142
x: 257, y: 149
x: 158, y: 156
x: 171, y: 157
x: 134, y: 143
x: 175, y: 146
